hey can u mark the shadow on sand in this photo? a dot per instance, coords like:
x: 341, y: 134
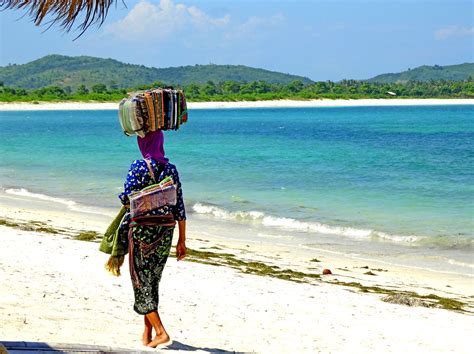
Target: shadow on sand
x: 189, y: 348
x: 44, y: 348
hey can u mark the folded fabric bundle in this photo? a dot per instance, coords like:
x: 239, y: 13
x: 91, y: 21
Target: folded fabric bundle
x: 151, y: 110
x: 132, y: 117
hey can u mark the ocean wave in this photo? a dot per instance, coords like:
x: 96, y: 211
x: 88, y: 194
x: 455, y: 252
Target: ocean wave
x: 290, y: 224
x: 448, y: 242
x: 22, y: 192
x: 461, y: 264
x: 220, y: 213
x: 70, y: 204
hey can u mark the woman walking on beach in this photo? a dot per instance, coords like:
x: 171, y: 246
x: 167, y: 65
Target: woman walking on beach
x: 150, y: 239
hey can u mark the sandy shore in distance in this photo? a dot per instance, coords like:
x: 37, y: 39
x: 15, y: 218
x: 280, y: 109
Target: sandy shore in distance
x: 242, y: 104
x: 54, y: 289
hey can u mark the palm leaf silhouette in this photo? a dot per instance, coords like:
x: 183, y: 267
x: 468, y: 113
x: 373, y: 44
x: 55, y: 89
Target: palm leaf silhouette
x: 64, y: 12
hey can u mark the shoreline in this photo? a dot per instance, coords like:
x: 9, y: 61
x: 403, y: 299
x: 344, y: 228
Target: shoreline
x: 63, y: 284
x: 350, y: 266
x: 382, y: 102
x: 402, y: 254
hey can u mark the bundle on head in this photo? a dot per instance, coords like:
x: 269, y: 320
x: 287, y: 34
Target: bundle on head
x: 152, y: 110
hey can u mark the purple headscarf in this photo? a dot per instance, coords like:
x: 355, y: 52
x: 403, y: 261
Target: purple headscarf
x: 151, y: 146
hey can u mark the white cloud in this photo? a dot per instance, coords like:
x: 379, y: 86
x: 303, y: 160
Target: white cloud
x: 159, y: 21
x: 199, y: 17
x: 453, y: 31
x: 254, y: 22
x: 163, y: 19
x: 254, y: 25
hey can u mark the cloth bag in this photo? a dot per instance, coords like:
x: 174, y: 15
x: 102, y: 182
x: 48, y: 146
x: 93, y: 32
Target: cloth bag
x: 153, y: 197
x: 115, y: 243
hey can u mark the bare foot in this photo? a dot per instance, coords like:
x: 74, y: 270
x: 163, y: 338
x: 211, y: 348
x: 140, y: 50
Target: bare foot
x: 159, y: 339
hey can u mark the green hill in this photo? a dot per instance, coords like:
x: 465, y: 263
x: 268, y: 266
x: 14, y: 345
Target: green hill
x: 63, y: 71
x: 427, y: 73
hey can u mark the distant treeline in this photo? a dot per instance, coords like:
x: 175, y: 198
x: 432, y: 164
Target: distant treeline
x: 257, y: 90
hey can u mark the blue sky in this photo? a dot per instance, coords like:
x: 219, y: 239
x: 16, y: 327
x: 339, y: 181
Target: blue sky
x: 320, y: 39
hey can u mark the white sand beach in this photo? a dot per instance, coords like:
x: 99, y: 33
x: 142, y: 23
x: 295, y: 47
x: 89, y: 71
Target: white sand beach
x: 54, y: 289
x: 23, y: 106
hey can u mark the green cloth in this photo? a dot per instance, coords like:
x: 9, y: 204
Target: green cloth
x: 110, y: 243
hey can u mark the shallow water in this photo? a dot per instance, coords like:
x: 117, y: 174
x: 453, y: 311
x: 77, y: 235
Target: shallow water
x: 345, y: 175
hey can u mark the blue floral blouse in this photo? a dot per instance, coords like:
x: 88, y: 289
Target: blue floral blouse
x: 139, y: 177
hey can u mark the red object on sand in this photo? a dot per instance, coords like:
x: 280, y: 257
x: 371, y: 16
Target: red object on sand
x: 327, y: 271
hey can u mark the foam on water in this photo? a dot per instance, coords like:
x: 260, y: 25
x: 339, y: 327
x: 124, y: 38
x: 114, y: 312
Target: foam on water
x: 70, y: 204
x: 461, y: 264
x: 298, y: 225
x: 23, y: 192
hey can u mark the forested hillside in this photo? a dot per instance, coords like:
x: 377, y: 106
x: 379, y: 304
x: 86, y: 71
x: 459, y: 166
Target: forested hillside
x: 427, y: 73
x: 72, y: 72
x: 61, y: 78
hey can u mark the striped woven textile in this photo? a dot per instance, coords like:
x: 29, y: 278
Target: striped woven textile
x: 151, y: 110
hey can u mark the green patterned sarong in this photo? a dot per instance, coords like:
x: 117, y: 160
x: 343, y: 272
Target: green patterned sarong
x: 149, y: 250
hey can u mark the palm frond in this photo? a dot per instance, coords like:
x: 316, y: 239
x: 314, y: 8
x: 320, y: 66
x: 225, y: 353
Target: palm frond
x: 64, y: 12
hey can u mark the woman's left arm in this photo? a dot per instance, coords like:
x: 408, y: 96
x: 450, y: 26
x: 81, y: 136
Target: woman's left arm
x: 181, y: 245
x: 180, y: 217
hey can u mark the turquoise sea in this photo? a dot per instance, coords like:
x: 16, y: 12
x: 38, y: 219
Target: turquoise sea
x: 389, y: 179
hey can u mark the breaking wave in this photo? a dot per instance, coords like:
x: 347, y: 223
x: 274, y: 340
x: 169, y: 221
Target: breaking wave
x: 70, y: 204
x: 290, y: 224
